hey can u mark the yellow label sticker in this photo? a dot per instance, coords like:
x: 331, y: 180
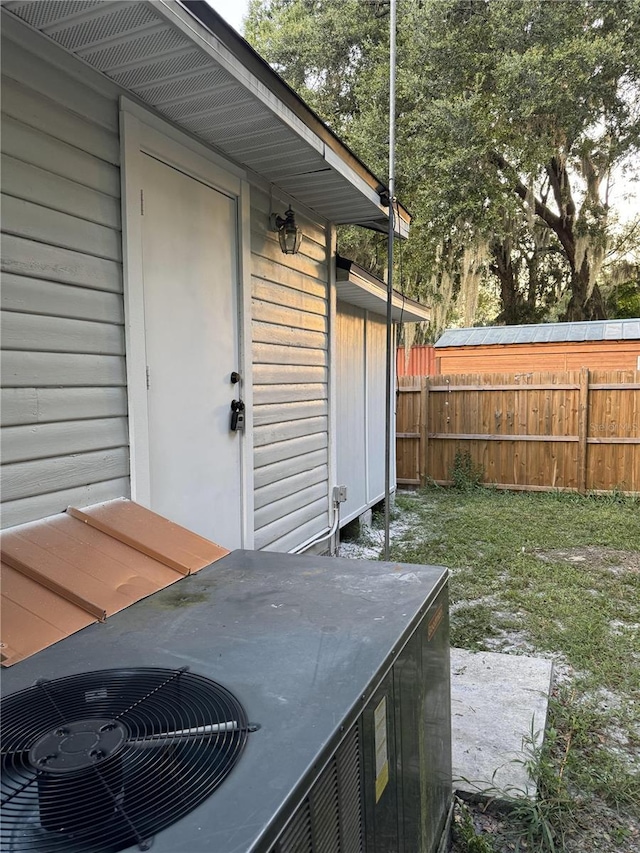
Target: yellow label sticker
x: 382, y: 780
x: 434, y: 622
x: 382, y: 755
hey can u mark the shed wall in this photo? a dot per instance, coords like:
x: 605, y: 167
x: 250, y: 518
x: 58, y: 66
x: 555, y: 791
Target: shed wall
x: 513, y: 358
x: 290, y: 323
x: 64, y: 408
x: 360, y: 406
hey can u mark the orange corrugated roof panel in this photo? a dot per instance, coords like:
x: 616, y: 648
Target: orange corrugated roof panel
x: 62, y: 573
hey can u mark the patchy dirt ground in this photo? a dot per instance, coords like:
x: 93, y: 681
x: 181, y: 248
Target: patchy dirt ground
x: 597, y: 728
x: 593, y: 557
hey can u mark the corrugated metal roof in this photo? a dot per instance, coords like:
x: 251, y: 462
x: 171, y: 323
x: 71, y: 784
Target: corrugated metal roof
x: 356, y: 286
x: 183, y: 60
x: 67, y: 571
x: 594, y: 330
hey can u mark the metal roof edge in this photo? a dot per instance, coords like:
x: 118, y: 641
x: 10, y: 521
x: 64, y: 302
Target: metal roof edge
x: 581, y: 331
x: 373, y: 294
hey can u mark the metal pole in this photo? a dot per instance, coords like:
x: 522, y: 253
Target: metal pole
x: 392, y: 168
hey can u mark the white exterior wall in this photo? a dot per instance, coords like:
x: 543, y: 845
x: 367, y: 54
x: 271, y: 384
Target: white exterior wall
x: 360, y: 406
x: 64, y: 397
x: 64, y: 425
x: 290, y: 313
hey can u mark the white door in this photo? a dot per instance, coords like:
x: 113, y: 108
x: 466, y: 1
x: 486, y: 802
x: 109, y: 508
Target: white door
x: 190, y: 279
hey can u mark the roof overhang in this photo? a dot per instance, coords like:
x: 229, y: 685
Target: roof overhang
x: 185, y: 62
x: 357, y: 287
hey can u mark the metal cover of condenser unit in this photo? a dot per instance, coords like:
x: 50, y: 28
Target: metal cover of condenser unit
x: 302, y: 642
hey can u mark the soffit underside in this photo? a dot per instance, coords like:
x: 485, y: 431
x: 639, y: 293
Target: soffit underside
x: 141, y: 50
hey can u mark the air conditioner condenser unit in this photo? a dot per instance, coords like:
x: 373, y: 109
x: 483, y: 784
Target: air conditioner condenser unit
x: 270, y: 703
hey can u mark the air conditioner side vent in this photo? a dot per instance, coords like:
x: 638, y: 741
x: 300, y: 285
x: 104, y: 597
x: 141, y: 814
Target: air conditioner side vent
x: 329, y: 820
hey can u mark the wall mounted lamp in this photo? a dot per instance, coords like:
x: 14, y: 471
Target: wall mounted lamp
x: 289, y: 234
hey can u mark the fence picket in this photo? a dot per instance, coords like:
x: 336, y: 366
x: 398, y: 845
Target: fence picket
x: 571, y: 430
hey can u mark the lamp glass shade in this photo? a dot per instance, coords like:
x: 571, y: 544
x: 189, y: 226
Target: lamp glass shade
x: 290, y: 237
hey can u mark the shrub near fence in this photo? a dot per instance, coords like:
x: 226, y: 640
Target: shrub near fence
x: 575, y: 430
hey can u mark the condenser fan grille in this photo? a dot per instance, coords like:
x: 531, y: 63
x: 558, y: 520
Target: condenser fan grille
x: 104, y: 760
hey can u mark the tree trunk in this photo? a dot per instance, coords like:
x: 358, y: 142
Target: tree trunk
x: 581, y: 305
x: 503, y: 269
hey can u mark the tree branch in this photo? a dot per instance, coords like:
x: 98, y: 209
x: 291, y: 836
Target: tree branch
x: 556, y: 223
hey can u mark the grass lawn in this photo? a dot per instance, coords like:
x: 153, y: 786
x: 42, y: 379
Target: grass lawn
x: 556, y: 575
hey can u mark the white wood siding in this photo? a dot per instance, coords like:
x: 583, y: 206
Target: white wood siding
x: 290, y: 325
x: 64, y: 409
x: 360, y: 405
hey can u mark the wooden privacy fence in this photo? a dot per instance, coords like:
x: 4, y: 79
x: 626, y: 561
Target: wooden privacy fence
x: 576, y: 430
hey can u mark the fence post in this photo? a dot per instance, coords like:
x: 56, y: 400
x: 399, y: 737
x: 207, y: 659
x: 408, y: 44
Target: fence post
x: 424, y: 433
x: 583, y: 426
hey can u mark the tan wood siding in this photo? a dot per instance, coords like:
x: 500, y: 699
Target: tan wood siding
x: 64, y: 433
x: 511, y: 358
x: 290, y: 321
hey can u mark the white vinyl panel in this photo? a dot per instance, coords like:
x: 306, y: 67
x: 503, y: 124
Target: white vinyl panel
x: 290, y: 374
x: 350, y: 406
x: 291, y: 485
x: 269, y: 249
x: 38, y: 260
x: 289, y: 467
x: 31, y: 146
x: 34, y: 184
x: 52, y: 82
x: 25, y: 219
x: 285, y: 315
x: 288, y: 393
x: 275, y: 272
x: 51, y: 503
x: 44, y: 114
x: 44, y: 369
x: 299, y: 300
x: 289, y: 449
x: 288, y: 429
x: 39, y: 296
x: 376, y: 356
x: 35, y: 332
x: 27, y: 479
x: 263, y: 206
x: 312, y: 514
x: 268, y: 333
x: 300, y: 532
x: 49, y: 405
x: 281, y: 508
x: 284, y: 355
x: 290, y: 311
x: 63, y: 368
x: 285, y: 412
x: 22, y: 443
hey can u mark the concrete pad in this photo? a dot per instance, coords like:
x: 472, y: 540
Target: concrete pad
x: 495, y: 700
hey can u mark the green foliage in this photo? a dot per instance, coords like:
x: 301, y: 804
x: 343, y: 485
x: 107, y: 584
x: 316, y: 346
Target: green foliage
x: 511, y: 115
x: 465, y: 836
x: 465, y: 474
x: 554, y: 574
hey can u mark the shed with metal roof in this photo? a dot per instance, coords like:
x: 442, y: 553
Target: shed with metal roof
x: 602, y: 344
